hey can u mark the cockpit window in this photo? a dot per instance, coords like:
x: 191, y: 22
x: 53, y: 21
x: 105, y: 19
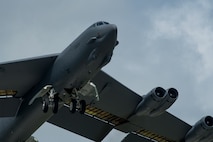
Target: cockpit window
x: 106, y: 23
x: 101, y: 23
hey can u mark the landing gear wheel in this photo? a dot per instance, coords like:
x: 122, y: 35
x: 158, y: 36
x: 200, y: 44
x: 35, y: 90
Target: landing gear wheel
x: 55, y: 104
x: 82, y: 108
x: 45, y: 105
x: 73, y: 105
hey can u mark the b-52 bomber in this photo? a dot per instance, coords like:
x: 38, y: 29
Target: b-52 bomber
x: 71, y: 91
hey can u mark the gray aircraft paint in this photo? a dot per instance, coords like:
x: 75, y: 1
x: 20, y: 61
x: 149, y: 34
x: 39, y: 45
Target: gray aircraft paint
x: 75, y: 66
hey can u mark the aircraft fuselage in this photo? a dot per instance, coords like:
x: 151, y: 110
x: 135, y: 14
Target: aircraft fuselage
x: 73, y: 68
x: 84, y: 57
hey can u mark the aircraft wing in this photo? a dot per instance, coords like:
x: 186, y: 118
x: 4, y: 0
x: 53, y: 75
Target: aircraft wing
x: 115, y: 110
x: 17, y: 78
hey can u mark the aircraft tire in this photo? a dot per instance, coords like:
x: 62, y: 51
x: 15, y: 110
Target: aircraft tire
x: 73, y: 105
x: 45, y: 105
x: 55, y: 105
x: 82, y: 107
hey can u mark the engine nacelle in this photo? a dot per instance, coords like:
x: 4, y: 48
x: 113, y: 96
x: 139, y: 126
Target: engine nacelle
x: 156, y: 102
x: 202, y: 131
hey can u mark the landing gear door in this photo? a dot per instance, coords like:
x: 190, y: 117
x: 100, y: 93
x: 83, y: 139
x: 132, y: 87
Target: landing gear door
x: 90, y: 90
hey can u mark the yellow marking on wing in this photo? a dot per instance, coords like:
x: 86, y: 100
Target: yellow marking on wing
x: 8, y: 92
x: 152, y: 136
x: 115, y: 120
x: 105, y: 116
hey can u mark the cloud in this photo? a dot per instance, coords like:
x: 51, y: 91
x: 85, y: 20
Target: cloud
x: 182, y: 37
x: 189, y: 24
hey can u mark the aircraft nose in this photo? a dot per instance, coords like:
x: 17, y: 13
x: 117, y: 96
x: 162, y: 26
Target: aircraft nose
x: 109, y: 34
x: 114, y: 29
x: 112, y: 32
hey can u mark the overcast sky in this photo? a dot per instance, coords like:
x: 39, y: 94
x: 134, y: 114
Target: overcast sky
x: 162, y: 43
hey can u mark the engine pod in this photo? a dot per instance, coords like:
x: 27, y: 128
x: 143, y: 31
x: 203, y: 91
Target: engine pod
x: 156, y: 102
x: 202, y: 131
x: 150, y: 101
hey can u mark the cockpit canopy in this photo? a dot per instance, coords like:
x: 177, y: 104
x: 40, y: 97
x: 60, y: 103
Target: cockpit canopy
x: 100, y: 23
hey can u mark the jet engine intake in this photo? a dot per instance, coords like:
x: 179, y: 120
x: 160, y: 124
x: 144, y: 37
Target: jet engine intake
x: 156, y: 101
x: 201, y: 131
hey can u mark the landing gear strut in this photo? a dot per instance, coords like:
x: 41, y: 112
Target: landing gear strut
x: 50, y: 100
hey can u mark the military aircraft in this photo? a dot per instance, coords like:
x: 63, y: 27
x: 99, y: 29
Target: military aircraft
x: 71, y: 91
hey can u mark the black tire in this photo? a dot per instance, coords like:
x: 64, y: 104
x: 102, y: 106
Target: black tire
x: 73, y: 104
x: 55, y: 105
x: 45, y: 105
x: 82, y: 108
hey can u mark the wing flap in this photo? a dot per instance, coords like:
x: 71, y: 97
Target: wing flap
x: 164, y: 127
x: 83, y: 125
